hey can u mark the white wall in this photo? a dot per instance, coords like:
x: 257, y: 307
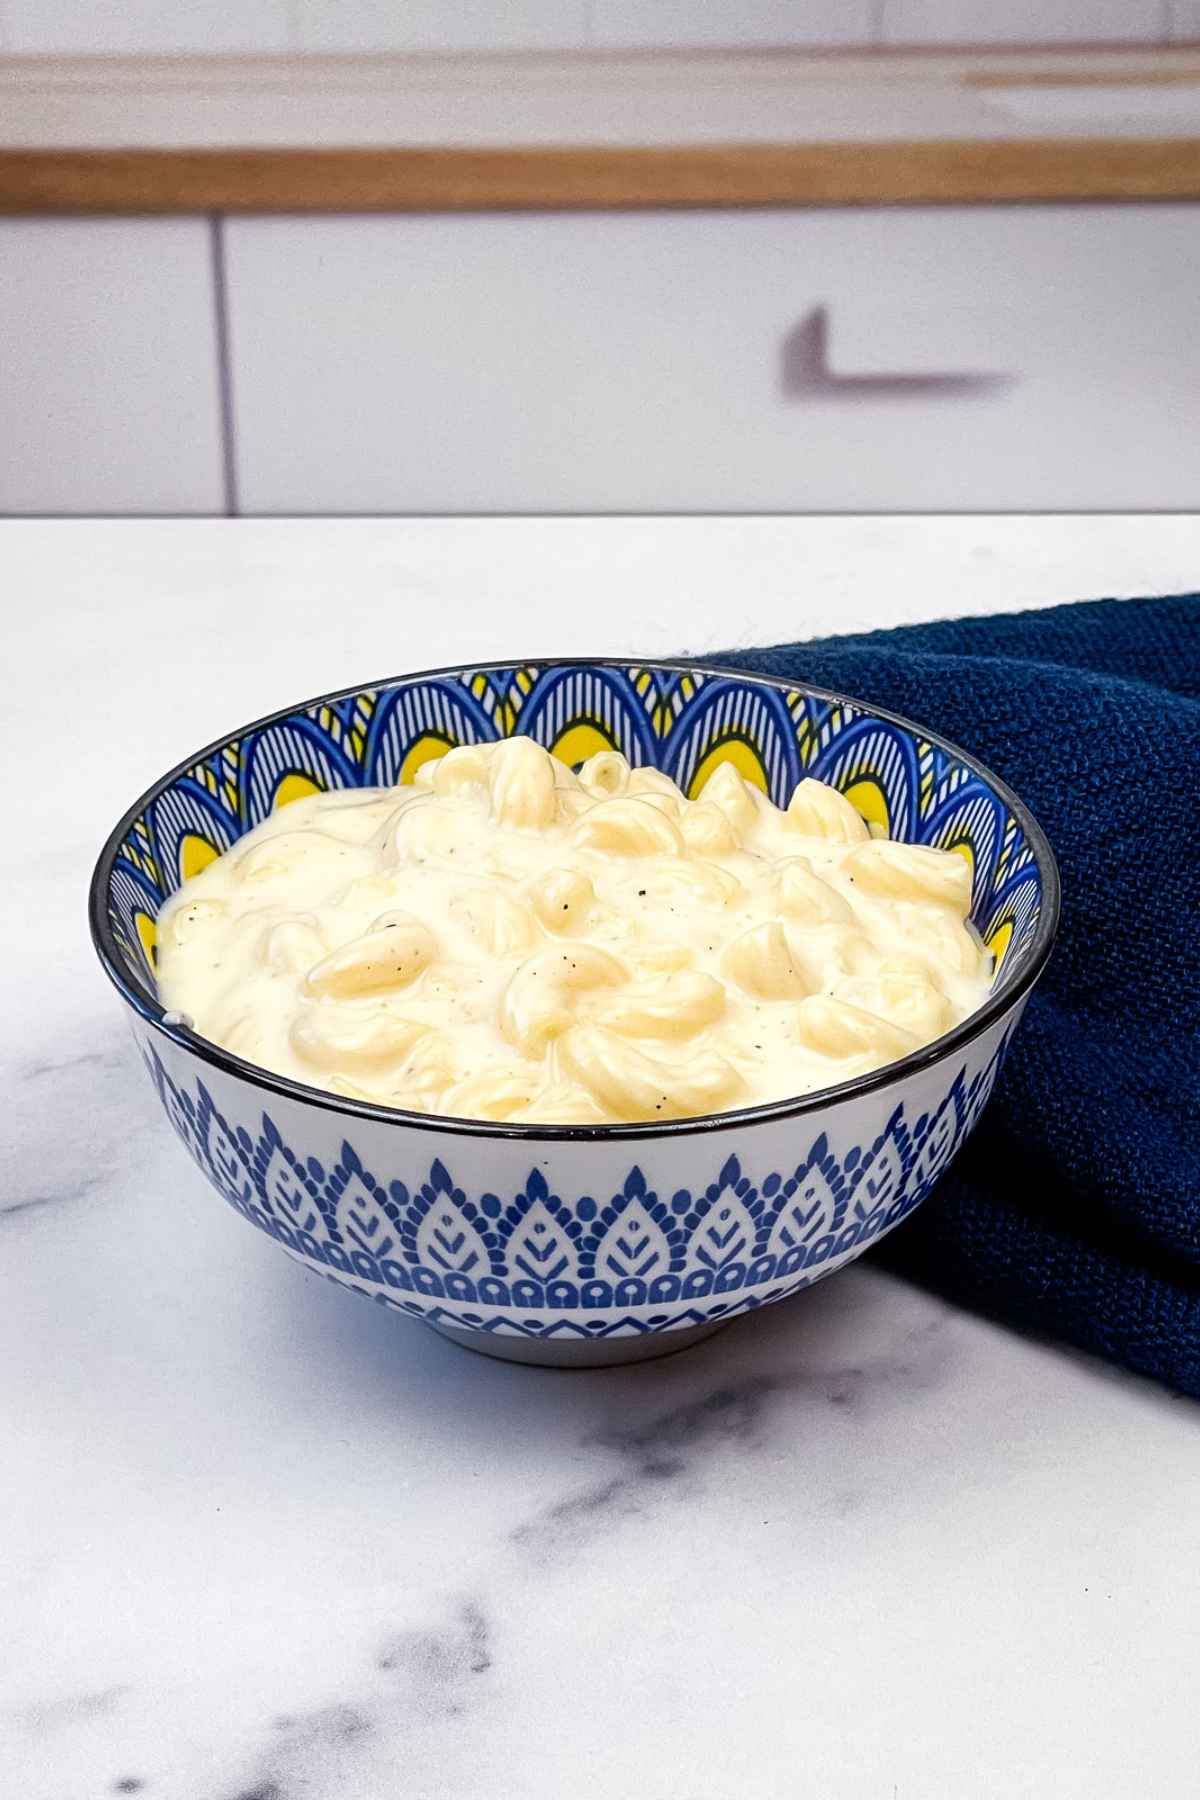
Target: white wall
x: 163, y: 27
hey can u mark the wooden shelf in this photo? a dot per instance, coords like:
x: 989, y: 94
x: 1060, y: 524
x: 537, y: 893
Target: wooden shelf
x: 573, y: 177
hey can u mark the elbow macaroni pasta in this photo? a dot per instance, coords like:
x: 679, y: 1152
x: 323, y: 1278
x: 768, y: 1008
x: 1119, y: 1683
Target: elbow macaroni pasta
x: 507, y: 938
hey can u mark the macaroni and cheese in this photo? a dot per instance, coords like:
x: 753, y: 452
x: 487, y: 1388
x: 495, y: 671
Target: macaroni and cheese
x: 508, y: 939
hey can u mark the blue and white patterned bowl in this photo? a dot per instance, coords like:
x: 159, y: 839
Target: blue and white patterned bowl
x: 579, y: 1244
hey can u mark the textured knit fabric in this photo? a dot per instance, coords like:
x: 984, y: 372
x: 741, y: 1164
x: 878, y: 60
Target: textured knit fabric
x: 1075, y: 1207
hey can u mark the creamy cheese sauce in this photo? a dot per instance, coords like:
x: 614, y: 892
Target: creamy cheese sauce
x: 507, y: 939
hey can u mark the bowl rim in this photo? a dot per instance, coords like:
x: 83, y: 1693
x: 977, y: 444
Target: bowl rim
x: 999, y: 1002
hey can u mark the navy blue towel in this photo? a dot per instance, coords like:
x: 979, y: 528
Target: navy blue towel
x: 1075, y: 1207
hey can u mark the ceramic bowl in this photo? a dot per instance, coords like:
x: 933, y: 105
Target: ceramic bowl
x: 568, y: 1244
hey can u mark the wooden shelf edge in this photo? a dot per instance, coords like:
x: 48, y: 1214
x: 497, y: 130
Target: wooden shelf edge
x: 919, y: 172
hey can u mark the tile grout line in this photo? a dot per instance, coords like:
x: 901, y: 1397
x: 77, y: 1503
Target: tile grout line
x: 216, y: 228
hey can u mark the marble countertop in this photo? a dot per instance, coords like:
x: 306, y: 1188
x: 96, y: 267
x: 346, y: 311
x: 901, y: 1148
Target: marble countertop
x: 260, y: 1542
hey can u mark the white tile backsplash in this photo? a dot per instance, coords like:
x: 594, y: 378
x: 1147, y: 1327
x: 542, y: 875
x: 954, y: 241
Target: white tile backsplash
x: 224, y: 27
x: 1022, y: 21
x: 618, y: 24
x: 401, y: 25
x: 1184, y: 21
x: 143, y: 27
x: 109, y: 397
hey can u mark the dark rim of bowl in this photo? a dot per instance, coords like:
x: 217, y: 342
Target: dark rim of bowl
x: 1001, y: 1001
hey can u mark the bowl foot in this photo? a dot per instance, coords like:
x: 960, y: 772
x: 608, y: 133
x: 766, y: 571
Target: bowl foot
x: 580, y: 1353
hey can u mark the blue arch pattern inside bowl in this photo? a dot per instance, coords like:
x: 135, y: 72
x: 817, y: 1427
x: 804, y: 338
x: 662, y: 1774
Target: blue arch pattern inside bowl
x: 684, y: 720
